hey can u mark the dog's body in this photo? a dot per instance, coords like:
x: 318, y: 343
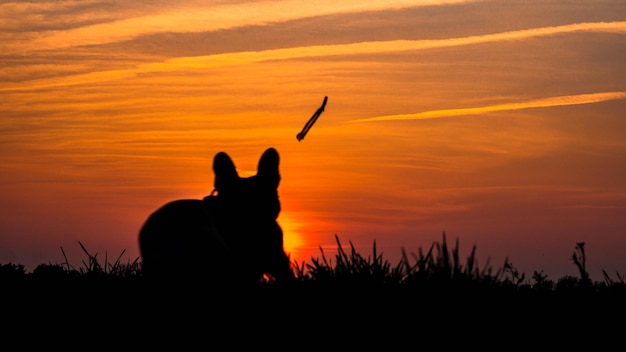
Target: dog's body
x: 232, y: 236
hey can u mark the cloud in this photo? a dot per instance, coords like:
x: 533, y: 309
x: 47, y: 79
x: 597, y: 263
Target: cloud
x: 41, y: 16
x: 370, y: 47
x: 196, y: 19
x: 537, y: 103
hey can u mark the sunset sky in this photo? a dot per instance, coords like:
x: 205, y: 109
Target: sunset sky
x: 500, y: 123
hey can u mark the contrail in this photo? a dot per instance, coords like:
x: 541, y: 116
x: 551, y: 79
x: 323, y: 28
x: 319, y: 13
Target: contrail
x: 537, y: 103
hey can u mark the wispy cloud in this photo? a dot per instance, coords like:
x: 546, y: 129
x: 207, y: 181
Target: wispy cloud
x: 370, y: 47
x: 537, y: 103
x: 187, y: 19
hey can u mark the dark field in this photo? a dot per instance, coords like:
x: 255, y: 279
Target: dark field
x: 434, y: 292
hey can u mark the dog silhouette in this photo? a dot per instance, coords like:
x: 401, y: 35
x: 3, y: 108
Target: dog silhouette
x: 231, y: 235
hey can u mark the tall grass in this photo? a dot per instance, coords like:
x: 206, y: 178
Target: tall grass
x: 440, y: 266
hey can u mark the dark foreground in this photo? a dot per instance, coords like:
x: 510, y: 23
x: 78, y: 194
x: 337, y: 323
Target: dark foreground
x: 350, y: 301
x: 131, y: 313
x: 333, y: 313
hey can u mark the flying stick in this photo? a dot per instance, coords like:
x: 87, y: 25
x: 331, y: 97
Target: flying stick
x: 309, y: 124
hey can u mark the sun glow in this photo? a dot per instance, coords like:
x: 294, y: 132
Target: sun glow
x: 292, y: 236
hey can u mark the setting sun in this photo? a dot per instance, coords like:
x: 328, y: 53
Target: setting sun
x: 292, y: 240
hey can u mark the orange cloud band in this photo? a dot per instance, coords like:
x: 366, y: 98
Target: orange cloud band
x: 239, y: 58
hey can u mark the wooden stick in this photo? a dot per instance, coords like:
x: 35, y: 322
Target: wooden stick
x: 309, y: 124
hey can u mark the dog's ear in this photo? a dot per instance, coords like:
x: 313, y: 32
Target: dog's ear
x: 267, y: 171
x: 224, y: 169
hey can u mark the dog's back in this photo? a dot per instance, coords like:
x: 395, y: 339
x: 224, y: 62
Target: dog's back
x: 233, y: 235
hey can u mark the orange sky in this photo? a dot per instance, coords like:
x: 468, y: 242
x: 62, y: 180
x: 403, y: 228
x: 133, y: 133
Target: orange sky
x: 499, y: 122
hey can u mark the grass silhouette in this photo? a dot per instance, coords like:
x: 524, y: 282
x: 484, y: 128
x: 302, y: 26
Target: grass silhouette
x: 438, y: 269
x: 357, y: 298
